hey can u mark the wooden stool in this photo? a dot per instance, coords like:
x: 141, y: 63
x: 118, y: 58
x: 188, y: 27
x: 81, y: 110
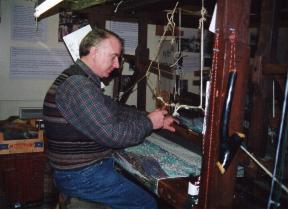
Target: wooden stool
x: 66, y: 202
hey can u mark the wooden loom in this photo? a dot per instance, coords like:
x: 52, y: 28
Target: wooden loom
x: 216, y: 190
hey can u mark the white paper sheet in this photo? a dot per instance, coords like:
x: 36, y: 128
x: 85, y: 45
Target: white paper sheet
x: 191, y: 62
x: 212, y: 26
x: 73, y: 40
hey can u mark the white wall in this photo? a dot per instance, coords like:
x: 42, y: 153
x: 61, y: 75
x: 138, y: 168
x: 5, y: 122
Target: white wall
x: 15, y: 93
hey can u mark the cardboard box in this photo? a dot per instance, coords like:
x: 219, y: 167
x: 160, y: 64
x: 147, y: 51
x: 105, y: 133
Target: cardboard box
x: 22, y: 145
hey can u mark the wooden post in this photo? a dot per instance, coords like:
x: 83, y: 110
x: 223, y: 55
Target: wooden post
x: 262, y: 84
x: 142, y: 57
x: 217, y: 190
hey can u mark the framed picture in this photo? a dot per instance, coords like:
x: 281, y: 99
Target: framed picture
x: 69, y: 22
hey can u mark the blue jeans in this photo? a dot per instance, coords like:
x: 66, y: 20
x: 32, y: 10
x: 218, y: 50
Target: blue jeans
x: 101, y: 183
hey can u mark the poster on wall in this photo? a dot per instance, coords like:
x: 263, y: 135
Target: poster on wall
x: 167, y: 53
x: 44, y: 63
x: 69, y: 22
x: 189, y: 49
x: 24, y: 27
x: 128, y: 31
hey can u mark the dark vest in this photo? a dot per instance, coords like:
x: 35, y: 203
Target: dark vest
x: 68, y: 148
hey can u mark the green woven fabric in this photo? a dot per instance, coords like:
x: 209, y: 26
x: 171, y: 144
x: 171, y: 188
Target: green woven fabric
x: 158, y: 158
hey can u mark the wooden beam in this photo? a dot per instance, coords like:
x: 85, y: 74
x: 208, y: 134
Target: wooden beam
x: 275, y: 69
x: 174, y: 191
x: 262, y: 85
x: 79, y: 5
x: 142, y: 56
x: 217, y: 190
x: 136, y: 4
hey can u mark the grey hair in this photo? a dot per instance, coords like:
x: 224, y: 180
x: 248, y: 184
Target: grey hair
x: 94, y: 38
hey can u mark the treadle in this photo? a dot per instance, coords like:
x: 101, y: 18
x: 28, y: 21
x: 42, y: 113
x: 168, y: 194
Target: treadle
x: 76, y: 203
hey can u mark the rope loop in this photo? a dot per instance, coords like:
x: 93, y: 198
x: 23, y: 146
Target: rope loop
x: 203, y: 18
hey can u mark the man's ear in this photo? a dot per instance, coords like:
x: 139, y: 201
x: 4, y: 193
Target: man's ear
x: 93, y: 50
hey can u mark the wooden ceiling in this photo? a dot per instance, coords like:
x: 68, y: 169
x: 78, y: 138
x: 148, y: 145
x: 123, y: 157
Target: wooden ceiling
x: 156, y: 10
x: 137, y: 5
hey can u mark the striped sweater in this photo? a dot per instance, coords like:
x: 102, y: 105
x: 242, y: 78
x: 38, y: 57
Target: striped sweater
x: 82, y: 125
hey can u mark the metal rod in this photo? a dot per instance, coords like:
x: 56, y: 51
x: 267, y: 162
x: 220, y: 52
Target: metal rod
x: 264, y: 168
x: 282, y: 135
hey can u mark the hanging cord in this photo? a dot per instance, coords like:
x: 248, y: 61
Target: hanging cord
x: 178, y: 57
x: 273, y: 98
x: 201, y: 27
x: 179, y: 70
x: 177, y: 61
x: 118, y: 4
x: 170, y: 25
x: 178, y: 106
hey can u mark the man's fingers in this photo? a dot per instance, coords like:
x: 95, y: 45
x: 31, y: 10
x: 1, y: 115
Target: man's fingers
x: 164, y: 112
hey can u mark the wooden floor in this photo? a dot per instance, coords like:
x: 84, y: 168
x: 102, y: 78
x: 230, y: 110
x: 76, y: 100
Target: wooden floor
x: 53, y: 205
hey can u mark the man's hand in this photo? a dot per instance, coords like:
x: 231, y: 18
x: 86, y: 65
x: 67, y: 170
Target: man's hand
x: 168, y: 123
x: 157, y: 118
x: 160, y: 120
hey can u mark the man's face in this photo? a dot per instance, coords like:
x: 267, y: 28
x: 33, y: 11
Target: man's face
x: 106, y: 57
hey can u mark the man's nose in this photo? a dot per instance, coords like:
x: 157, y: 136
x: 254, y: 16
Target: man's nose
x: 116, y: 63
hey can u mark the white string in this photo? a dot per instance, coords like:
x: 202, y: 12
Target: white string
x: 176, y: 62
x: 118, y: 4
x: 273, y: 99
x: 169, y: 24
x: 179, y: 31
x: 281, y: 146
x: 201, y: 26
x: 179, y: 68
x: 178, y: 106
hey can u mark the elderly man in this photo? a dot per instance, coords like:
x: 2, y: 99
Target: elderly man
x: 83, y: 127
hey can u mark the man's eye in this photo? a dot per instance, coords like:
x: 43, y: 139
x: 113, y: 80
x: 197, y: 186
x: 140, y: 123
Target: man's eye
x: 121, y: 60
